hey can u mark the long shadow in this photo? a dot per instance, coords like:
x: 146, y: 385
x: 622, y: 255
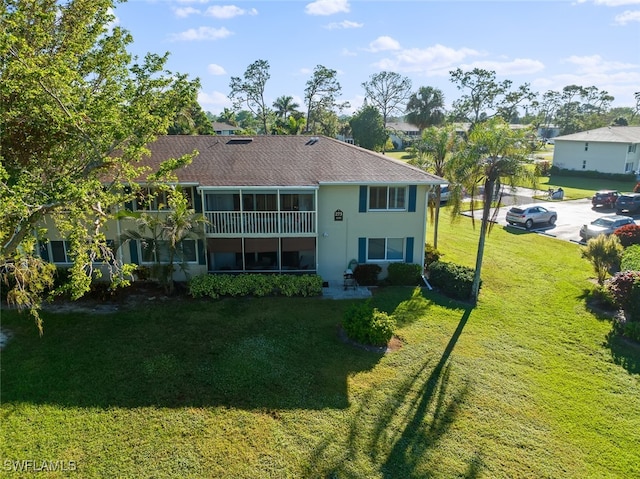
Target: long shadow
x: 268, y: 353
x: 420, y: 436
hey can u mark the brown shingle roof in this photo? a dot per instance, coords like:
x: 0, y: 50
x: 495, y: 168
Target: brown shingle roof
x: 281, y: 161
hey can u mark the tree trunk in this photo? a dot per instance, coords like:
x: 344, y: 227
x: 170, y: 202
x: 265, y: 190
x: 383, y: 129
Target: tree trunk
x: 486, y: 209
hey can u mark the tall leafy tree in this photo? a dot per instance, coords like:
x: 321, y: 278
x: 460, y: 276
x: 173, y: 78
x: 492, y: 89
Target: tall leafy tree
x: 425, y: 107
x: 388, y: 92
x: 228, y: 116
x: 76, y: 112
x: 494, y: 154
x: 367, y: 128
x: 433, y: 152
x: 191, y: 119
x: 249, y: 91
x: 321, y: 95
x: 485, y: 97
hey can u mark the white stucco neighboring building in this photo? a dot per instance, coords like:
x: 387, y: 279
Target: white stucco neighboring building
x: 611, y: 149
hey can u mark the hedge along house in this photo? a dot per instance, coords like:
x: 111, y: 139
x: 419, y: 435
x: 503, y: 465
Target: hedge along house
x: 291, y: 204
x: 611, y: 149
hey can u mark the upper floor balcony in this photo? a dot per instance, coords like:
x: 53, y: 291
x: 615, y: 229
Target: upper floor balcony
x: 236, y: 223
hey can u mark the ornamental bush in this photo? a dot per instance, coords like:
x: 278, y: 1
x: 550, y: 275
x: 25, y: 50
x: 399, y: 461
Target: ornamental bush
x: 628, y: 235
x: 404, y: 274
x: 452, y: 279
x: 216, y: 285
x: 367, y: 274
x: 367, y: 325
x: 624, y: 289
x: 431, y: 254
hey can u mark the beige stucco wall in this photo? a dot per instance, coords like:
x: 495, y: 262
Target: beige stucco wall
x: 338, y: 240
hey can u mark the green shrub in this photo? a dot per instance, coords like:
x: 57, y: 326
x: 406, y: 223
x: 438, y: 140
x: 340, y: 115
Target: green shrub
x: 367, y: 325
x: 630, y: 260
x: 631, y: 329
x: 625, y: 177
x: 367, y: 274
x: 452, y: 279
x: 431, y: 255
x: 542, y: 168
x: 216, y: 285
x: 628, y: 235
x: 404, y: 274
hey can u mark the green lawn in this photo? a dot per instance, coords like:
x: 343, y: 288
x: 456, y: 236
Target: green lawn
x: 526, y: 385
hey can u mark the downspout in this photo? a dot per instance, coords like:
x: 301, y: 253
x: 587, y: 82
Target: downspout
x: 424, y: 236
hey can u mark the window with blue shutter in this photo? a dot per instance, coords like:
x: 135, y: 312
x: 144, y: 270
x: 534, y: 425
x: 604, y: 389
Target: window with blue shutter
x: 133, y: 251
x: 202, y: 252
x: 362, y: 250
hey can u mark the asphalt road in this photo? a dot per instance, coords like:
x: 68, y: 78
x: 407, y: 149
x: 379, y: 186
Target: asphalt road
x: 572, y: 214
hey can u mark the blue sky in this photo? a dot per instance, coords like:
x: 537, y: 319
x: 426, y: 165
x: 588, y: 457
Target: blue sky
x: 548, y: 44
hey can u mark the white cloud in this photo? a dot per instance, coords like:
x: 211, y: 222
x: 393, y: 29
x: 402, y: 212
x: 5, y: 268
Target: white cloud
x: 627, y: 16
x: 383, y: 43
x: 434, y: 60
x: 327, y: 7
x: 348, y: 53
x: 201, y: 33
x: 343, y: 25
x: 214, y: 101
x: 596, y: 64
x: 184, y: 12
x: 113, y: 23
x: 614, y: 3
x: 228, y: 11
x: 214, y: 69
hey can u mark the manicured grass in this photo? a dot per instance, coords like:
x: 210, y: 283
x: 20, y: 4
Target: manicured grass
x: 527, y: 384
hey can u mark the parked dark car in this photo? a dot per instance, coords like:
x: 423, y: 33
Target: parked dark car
x: 628, y: 202
x: 605, y: 198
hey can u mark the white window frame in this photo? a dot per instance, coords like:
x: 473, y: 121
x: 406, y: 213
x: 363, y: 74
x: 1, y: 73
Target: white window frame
x: 386, y: 250
x: 391, y: 193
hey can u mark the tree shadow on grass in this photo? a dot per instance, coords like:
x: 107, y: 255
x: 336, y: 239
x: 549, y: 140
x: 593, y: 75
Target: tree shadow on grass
x: 409, y: 422
x: 260, y: 353
x: 624, y: 352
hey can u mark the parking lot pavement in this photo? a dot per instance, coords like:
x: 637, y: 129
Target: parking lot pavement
x: 572, y: 214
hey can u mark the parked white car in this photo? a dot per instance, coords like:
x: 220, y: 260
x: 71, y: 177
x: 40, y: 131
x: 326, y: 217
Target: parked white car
x: 529, y: 215
x: 605, y: 225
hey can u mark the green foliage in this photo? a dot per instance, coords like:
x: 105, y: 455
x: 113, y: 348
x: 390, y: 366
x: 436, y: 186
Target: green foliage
x: 452, y: 279
x: 625, y: 177
x: 631, y: 329
x: 368, y: 129
x: 431, y: 254
x: 217, y: 285
x: 367, y: 325
x: 542, y: 168
x: 367, y: 274
x: 628, y: 235
x: 404, y: 274
x: 631, y: 258
x: 604, y: 253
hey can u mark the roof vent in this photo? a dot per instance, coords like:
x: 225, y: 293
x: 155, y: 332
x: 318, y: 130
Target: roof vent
x: 239, y: 141
x: 312, y: 141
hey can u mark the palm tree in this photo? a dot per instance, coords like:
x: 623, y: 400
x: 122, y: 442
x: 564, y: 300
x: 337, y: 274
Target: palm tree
x: 285, y: 106
x: 493, y: 154
x: 164, y: 232
x: 426, y: 107
x: 433, y: 151
x: 228, y: 116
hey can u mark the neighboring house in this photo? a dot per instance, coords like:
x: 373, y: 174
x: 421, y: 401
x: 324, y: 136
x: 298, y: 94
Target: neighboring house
x: 224, y: 129
x: 295, y: 204
x: 402, y: 134
x: 611, y: 149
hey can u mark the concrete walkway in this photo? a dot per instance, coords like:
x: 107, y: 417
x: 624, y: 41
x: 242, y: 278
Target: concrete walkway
x: 336, y: 291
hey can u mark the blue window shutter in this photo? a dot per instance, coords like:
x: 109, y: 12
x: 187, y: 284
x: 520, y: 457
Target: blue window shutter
x: 363, y: 199
x: 362, y: 250
x: 412, y: 198
x: 202, y: 252
x: 409, y: 254
x: 133, y: 250
x: 197, y: 200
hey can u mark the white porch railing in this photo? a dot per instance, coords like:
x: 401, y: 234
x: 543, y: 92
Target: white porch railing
x: 260, y: 222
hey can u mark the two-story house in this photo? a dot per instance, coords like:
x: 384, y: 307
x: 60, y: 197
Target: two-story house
x: 291, y: 204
